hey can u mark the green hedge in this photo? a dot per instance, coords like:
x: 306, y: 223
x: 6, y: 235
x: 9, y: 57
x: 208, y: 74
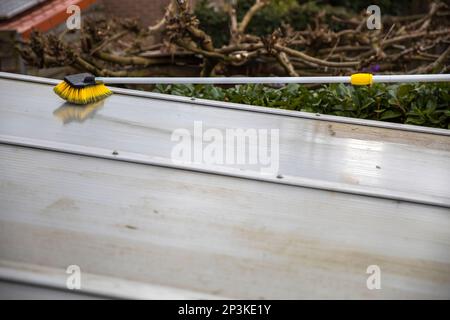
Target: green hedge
x: 419, y: 104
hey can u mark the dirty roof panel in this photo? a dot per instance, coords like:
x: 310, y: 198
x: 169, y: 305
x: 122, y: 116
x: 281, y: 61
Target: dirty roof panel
x: 212, y: 234
x: 96, y: 186
x: 400, y: 164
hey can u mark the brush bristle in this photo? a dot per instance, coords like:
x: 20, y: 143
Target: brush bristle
x: 86, y: 95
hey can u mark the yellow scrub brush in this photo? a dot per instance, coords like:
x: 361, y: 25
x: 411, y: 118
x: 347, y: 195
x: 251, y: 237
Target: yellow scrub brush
x: 85, y: 88
x: 82, y: 88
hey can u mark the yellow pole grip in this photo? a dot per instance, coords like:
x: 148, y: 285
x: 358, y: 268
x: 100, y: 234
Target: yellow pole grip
x: 361, y: 79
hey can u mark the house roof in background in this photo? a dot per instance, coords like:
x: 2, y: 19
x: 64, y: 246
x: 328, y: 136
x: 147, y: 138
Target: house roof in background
x: 11, y: 8
x: 42, y: 16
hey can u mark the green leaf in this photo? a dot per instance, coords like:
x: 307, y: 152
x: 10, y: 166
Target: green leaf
x: 390, y: 114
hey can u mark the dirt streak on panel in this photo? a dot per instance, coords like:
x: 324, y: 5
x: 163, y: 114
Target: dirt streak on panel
x: 291, y: 268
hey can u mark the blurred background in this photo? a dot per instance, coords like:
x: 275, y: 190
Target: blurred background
x: 244, y: 38
x: 313, y: 27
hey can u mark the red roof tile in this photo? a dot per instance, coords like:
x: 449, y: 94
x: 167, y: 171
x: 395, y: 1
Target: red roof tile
x: 43, y: 17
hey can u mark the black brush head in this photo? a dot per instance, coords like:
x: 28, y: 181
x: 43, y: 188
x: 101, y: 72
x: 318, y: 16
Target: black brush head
x: 80, y: 80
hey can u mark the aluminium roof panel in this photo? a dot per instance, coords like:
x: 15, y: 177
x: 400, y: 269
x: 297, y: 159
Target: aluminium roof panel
x: 137, y: 222
x: 213, y: 235
x: 401, y: 164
